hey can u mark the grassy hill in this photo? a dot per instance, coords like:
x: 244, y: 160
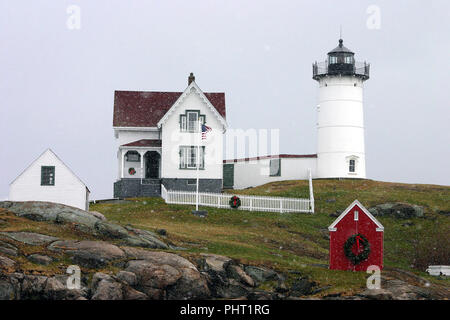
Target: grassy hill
x: 293, y: 242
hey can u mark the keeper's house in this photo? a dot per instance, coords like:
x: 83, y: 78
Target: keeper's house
x: 49, y: 179
x: 157, y: 136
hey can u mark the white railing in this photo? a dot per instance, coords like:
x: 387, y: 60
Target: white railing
x: 249, y: 203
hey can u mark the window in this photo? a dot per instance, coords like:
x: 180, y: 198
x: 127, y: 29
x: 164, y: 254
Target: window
x: 133, y: 156
x: 188, y: 157
x: 192, y: 121
x: 191, y: 182
x: 349, y: 59
x: 189, y: 120
x: 351, y: 166
x: 275, y: 167
x: 332, y: 59
x: 47, y: 176
x: 355, y: 217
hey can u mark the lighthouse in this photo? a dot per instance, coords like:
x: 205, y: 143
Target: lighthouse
x: 340, y: 120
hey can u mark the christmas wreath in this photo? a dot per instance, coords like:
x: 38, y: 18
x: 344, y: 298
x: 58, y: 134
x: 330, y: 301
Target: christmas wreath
x: 361, y: 241
x: 235, y: 202
x: 132, y: 171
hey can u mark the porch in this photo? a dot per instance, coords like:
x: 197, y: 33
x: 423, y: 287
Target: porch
x: 139, y: 169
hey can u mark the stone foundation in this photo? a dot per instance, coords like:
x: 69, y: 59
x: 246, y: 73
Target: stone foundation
x: 134, y: 188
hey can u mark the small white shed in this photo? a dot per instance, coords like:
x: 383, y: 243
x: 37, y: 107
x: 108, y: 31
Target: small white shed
x: 49, y: 179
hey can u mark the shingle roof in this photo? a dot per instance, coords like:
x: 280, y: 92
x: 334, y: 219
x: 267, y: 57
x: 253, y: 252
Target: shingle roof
x: 146, y: 108
x: 144, y: 143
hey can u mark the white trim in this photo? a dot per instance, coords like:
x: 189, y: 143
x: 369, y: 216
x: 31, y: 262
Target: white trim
x: 62, y: 162
x: 192, y: 88
x: 132, y: 148
x: 136, y: 128
x: 332, y: 227
x: 145, y: 129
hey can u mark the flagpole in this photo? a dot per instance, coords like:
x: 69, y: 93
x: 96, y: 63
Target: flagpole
x: 198, y: 161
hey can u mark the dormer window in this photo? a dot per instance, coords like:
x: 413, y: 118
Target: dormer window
x: 189, y: 120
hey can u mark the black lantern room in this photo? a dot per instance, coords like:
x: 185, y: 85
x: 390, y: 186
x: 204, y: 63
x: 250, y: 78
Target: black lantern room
x: 341, y: 61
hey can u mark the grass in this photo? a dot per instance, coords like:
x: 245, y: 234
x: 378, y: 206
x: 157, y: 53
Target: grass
x: 289, y: 242
x: 292, y: 241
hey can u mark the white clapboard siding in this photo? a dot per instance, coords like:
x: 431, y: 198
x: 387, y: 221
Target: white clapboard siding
x: 68, y: 188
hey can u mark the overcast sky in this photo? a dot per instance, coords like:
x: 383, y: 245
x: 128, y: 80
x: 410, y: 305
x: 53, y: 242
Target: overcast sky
x: 57, y: 84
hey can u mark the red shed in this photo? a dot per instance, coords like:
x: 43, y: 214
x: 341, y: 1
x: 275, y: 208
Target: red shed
x: 356, y: 240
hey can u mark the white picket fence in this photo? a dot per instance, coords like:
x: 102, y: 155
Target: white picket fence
x: 249, y: 203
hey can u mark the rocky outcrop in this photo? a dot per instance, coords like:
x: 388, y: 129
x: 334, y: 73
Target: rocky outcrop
x: 261, y: 274
x: 236, y: 272
x: 302, y: 287
x: 397, y: 210
x: 122, y: 271
x: 396, y: 290
x: 40, y: 259
x: 85, y: 221
x: 18, y: 286
x: 6, y: 262
x: 30, y: 238
x: 106, y: 287
x: 226, y: 278
x: 89, y: 254
x: 8, y: 249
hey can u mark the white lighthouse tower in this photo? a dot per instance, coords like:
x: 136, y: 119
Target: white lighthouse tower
x: 340, y: 124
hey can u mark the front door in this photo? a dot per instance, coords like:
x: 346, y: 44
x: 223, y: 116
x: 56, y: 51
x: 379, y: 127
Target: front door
x: 152, y: 165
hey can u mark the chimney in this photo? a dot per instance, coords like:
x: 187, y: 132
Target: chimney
x: 191, y: 78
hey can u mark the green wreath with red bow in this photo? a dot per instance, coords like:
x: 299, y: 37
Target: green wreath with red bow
x: 361, y: 242
x: 235, y: 202
x: 132, y: 171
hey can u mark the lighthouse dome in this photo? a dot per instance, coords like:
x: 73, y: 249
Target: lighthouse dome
x: 341, y: 49
x: 341, y: 62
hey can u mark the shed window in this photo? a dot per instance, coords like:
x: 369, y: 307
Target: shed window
x: 351, y: 166
x: 47, y: 176
x: 356, y: 215
x: 275, y: 167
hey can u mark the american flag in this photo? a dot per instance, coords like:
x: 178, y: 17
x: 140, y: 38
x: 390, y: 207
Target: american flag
x: 205, y: 129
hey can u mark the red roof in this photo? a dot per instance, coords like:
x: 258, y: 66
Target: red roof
x: 144, y: 143
x: 146, y: 108
x: 272, y: 157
